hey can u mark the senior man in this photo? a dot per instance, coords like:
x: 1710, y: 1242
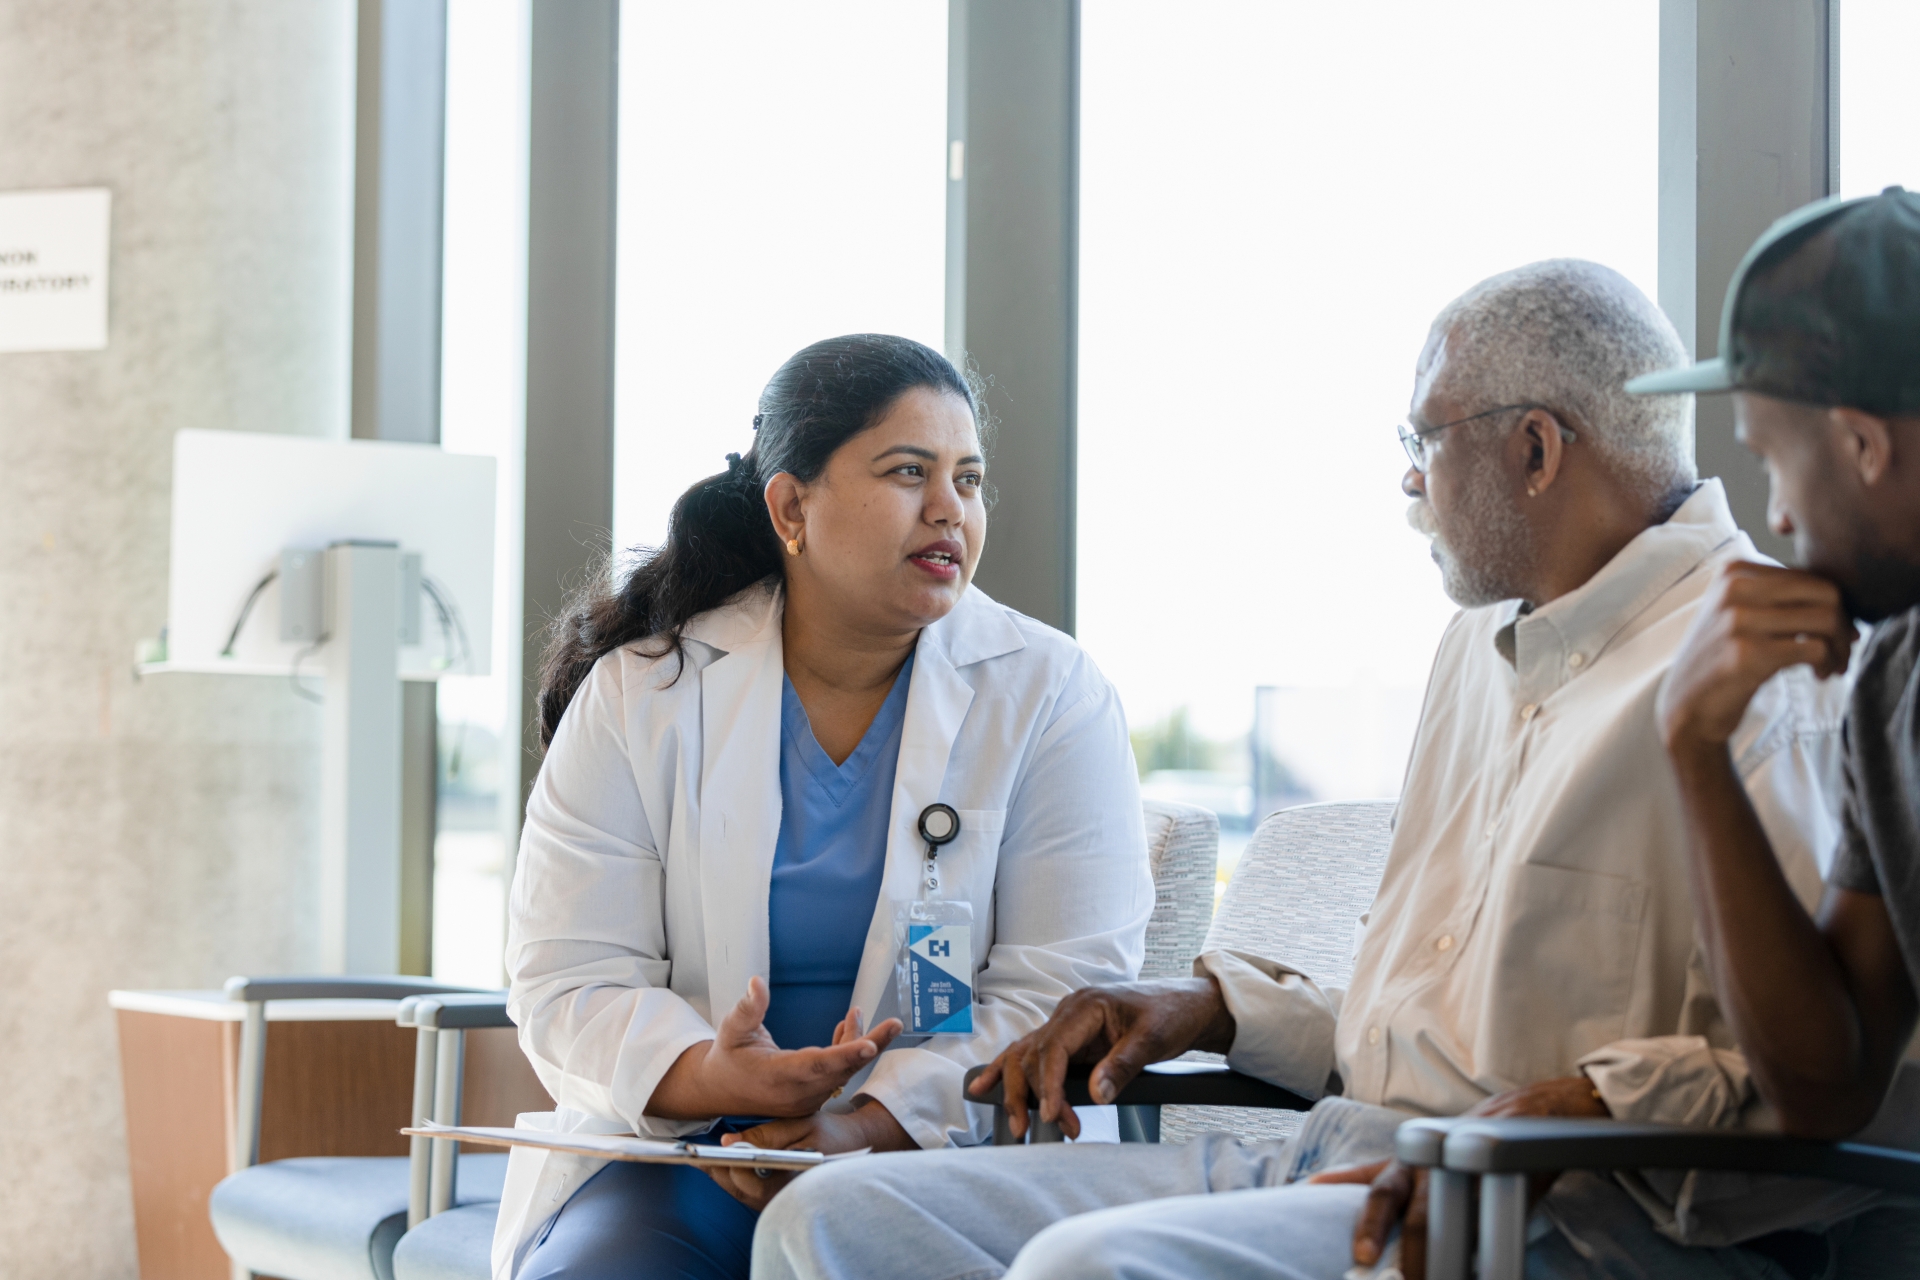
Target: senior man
x: 1531, y: 948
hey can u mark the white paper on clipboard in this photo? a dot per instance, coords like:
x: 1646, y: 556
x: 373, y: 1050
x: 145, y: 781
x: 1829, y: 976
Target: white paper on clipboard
x: 621, y: 1146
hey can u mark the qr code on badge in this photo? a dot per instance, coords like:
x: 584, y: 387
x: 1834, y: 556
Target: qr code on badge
x: 941, y: 1005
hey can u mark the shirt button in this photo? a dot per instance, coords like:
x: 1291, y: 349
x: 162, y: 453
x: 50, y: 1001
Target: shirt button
x: 1577, y: 660
x: 1445, y: 944
x: 1373, y: 1035
x: 1526, y: 712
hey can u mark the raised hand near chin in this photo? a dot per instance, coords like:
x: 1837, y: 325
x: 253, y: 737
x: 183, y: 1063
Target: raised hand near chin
x: 1755, y: 621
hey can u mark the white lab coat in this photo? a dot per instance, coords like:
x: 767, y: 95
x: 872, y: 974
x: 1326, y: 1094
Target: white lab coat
x: 639, y: 905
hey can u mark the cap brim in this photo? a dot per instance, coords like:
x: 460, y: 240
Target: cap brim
x: 1708, y: 375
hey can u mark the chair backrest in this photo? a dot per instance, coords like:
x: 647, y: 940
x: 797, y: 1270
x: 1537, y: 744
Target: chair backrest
x: 1183, y: 847
x: 1302, y: 885
x: 254, y: 994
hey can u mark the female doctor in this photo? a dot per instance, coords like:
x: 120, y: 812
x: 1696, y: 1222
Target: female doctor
x: 724, y: 838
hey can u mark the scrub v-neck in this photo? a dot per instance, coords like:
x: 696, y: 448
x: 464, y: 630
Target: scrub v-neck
x: 827, y: 865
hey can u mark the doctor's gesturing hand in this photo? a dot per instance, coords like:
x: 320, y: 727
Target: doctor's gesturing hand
x: 741, y: 1071
x: 867, y: 1126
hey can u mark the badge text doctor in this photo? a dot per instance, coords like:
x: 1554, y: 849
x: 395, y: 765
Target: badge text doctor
x: 936, y: 955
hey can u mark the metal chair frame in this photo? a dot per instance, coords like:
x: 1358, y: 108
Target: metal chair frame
x: 442, y: 1012
x: 440, y: 1054
x: 1503, y: 1154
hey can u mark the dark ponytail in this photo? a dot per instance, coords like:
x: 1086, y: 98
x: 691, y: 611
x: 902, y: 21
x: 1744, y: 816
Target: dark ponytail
x: 720, y: 539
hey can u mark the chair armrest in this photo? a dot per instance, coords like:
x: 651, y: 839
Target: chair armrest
x: 1423, y: 1142
x: 1539, y: 1145
x: 462, y: 1012
x: 334, y: 987
x: 255, y: 992
x: 1186, y: 1084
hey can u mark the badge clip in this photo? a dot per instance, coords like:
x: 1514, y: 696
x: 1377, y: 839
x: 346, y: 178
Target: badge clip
x: 935, y: 969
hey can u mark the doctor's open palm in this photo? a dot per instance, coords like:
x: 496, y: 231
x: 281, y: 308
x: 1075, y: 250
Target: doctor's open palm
x: 741, y: 1071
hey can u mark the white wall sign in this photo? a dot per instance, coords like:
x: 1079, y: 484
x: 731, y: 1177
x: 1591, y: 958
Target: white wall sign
x: 53, y: 269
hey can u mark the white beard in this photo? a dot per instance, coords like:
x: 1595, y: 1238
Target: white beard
x: 1491, y: 557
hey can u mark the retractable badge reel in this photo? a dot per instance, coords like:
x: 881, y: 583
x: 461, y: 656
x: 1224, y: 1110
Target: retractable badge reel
x: 936, y: 951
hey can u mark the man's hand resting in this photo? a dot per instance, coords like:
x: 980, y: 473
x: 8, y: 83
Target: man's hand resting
x: 1121, y: 1029
x: 1399, y: 1192
x: 741, y: 1071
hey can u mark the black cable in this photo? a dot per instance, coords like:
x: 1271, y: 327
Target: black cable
x: 245, y: 609
x: 443, y: 604
x: 448, y: 653
x: 293, y: 674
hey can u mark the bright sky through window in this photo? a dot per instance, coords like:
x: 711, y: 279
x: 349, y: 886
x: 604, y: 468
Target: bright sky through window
x: 1879, y: 110
x: 782, y: 180
x: 1275, y: 200
x: 482, y: 394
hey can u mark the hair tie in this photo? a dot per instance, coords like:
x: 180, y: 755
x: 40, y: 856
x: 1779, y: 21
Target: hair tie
x: 742, y: 473
x: 756, y: 421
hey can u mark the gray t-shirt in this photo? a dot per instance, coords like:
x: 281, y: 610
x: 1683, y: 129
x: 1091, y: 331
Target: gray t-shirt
x: 1880, y: 802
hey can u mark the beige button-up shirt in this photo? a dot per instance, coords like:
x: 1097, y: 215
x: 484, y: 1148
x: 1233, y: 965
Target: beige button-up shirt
x: 1534, y: 917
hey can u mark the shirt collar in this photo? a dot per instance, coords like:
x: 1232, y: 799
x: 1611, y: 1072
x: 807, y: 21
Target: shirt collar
x: 1550, y: 645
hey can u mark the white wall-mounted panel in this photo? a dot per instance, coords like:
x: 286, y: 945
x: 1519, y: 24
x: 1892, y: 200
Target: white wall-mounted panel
x: 240, y: 498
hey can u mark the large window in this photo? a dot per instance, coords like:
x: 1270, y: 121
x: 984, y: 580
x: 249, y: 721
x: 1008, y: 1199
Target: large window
x: 782, y: 180
x: 1275, y: 201
x: 1879, y: 111
x: 483, y: 356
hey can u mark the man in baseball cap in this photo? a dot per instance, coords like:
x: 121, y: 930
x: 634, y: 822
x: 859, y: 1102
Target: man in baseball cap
x: 1820, y: 348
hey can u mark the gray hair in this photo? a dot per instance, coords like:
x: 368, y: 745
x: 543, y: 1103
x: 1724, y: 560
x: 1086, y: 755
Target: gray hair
x: 1568, y: 334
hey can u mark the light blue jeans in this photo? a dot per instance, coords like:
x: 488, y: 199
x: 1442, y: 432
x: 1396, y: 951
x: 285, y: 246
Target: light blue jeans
x: 1211, y: 1208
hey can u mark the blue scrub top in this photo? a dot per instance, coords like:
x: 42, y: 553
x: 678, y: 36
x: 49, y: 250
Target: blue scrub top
x: 827, y: 866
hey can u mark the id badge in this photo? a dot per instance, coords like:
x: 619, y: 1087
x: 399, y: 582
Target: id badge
x: 936, y: 968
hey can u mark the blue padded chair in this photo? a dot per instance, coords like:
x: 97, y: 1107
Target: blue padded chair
x: 452, y: 1235
x: 455, y: 1245
x: 331, y: 1217
x: 339, y: 1217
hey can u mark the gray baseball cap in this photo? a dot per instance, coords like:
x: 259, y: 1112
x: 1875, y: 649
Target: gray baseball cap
x: 1824, y: 309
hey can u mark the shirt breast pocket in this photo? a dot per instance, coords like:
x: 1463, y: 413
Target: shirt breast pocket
x: 1566, y: 974
x: 970, y: 857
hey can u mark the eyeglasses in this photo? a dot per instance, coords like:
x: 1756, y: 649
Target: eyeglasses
x: 1415, y: 442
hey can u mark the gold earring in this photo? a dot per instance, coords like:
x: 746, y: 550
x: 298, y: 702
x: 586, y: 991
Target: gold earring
x: 793, y: 546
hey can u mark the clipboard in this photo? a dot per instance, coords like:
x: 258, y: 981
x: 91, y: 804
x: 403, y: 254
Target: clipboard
x: 624, y: 1146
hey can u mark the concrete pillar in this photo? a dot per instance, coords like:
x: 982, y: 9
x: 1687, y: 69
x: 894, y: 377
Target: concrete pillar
x: 1745, y: 89
x: 1013, y: 282
x: 161, y: 833
x: 566, y: 503
x: 400, y: 134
